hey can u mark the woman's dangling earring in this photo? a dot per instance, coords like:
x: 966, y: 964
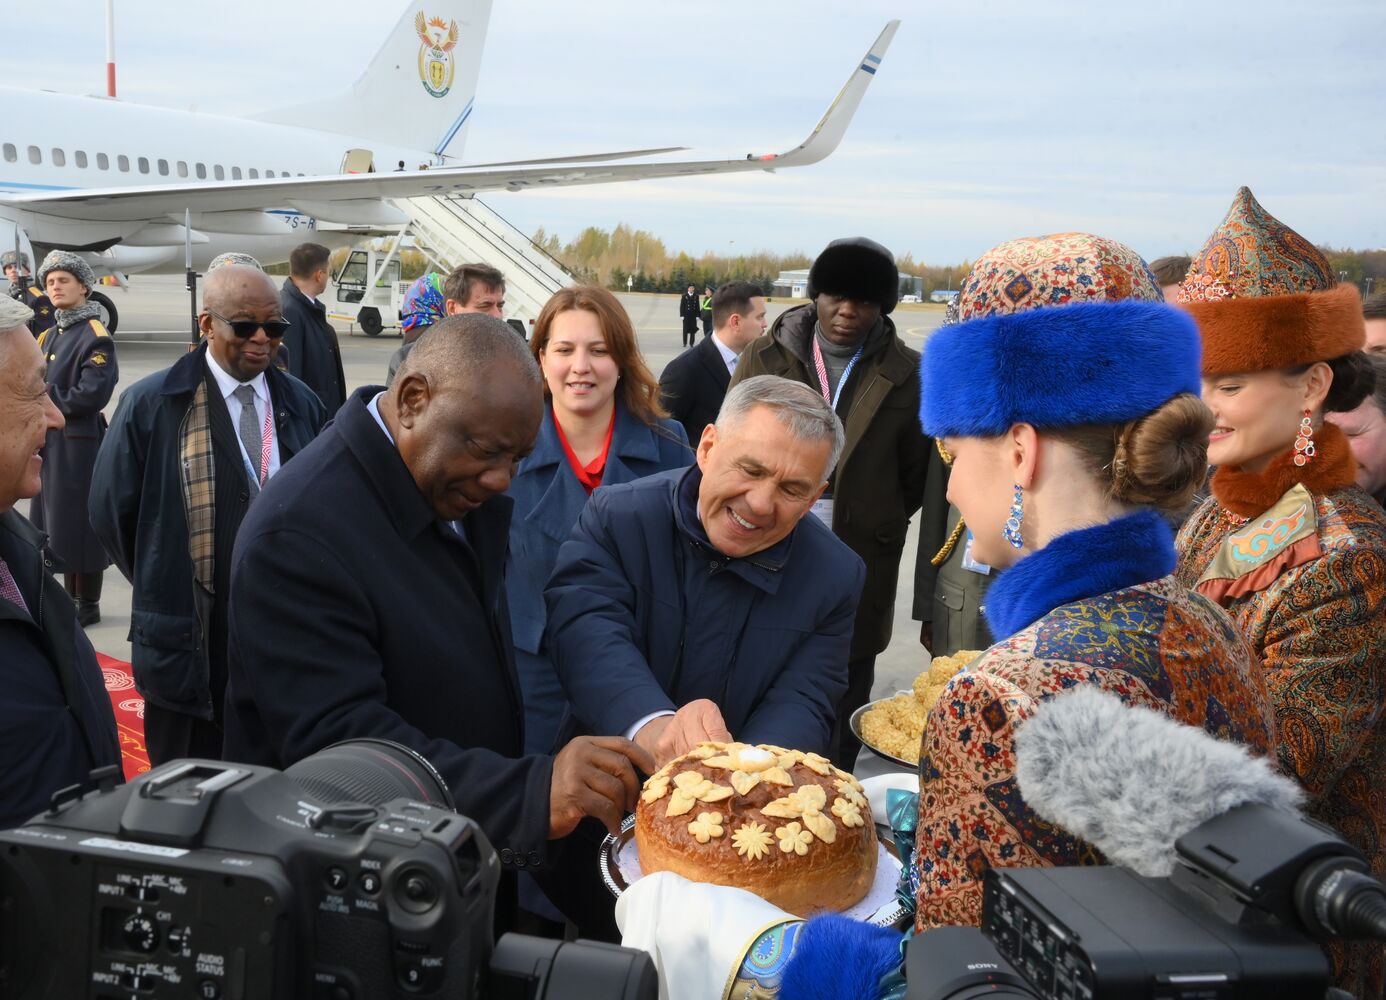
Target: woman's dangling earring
x: 1011, y: 532
x: 1304, y: 444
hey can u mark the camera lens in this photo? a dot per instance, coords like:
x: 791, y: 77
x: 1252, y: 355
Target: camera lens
x: 551, y: 970
x: 370, y: 771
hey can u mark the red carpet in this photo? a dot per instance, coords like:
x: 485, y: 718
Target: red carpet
x: 129, y: 714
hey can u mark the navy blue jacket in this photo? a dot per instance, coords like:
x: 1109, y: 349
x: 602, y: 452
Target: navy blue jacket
x: 356, y: 613
x: 56, y: 722
x: 645, y: 615
x: 314, y: 355
x: 548, y: 499
x: 137, y: 510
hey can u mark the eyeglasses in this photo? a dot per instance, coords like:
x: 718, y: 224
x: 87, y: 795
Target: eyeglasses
x: 245, y: 328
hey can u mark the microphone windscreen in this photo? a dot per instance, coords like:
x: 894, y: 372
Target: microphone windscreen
x: 1131, y: 781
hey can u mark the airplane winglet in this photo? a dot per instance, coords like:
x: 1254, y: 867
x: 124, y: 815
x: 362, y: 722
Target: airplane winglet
x: 828, y: 133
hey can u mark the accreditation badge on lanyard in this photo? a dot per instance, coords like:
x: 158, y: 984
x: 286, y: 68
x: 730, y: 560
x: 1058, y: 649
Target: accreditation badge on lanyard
x: 823, y: 506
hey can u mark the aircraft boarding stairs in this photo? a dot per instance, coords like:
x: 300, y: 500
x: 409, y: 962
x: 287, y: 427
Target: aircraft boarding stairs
x: 453, y: 231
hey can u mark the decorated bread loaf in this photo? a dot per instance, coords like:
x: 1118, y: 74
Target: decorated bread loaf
x: 783, y: 824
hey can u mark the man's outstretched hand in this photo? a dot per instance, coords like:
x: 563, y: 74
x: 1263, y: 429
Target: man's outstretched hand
x: 595, y: 776
x: 669, y: 736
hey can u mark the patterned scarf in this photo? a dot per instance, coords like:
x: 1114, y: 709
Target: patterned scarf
x: 68, y: 318
x: 199, y: 487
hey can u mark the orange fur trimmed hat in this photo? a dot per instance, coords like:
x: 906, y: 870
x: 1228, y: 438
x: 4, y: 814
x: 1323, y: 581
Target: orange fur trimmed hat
x: 1265, y: 298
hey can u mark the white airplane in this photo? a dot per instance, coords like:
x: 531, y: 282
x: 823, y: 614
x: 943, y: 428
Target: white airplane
x: 118, y: 181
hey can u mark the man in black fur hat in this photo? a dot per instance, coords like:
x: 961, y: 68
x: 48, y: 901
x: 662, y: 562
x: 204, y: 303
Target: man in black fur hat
x: 844, y: 345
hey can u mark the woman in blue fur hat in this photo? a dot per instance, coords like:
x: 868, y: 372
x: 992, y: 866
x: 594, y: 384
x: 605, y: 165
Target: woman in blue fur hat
x: 1071, y: 430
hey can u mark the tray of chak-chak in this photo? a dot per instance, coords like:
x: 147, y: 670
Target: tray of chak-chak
x: 892, y: 728
x: 783, y: 824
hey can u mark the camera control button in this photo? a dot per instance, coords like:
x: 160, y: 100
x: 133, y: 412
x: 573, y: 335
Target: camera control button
x: 416, y: 892
x: 534, y: 859
x: 337, y: 879
x: 369, y: 883
x: 410, y: 974
x: 140, y: 933
x: 208, y: 989
x: 507, y: 856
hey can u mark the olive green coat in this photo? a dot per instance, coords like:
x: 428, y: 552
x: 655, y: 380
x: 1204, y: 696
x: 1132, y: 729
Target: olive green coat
x: 879, y: 480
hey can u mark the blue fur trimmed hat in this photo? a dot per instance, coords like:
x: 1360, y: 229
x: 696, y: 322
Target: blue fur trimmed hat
x: 1092, y: 363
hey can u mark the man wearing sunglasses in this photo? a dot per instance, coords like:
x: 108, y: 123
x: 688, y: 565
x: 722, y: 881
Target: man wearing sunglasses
x: 188, y: 450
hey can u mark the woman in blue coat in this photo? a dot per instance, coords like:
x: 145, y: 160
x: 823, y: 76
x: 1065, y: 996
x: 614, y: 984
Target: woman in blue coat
x: 603, y: 424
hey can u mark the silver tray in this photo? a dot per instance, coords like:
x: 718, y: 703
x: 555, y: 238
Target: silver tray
x: 888, y: 914
x: 855, y: 723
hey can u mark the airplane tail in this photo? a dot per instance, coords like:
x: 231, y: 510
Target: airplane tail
x: 419, y: 88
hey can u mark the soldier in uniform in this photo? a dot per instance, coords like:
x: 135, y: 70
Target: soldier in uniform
x: 16, y: 266
x: 81, y: 377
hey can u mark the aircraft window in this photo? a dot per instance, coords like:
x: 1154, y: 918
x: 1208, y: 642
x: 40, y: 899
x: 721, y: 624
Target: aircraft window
x: 163, y: 168
x: 81, y: 157
x: 11, y: 154
x: 103, y: 161
x: 235, y: 173
x: 59, y: 160
x: 254, y: 174
x: 201, y: 171
x: 123, y: 162
x: 35, y: 154
x: 144, y: 164
x: 182, y: 169
x: 219, y: 172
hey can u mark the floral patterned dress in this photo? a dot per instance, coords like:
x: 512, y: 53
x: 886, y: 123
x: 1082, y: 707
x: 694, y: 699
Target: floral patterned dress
x: 1297, y: 556
x: 1154, y: 644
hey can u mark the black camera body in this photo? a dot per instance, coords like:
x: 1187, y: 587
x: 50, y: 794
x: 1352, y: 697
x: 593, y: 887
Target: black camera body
x: 1252, y: 893
x: 230, y: 882
x: 1099, y: 932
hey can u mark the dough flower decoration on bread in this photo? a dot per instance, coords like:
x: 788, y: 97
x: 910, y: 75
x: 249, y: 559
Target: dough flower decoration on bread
x: 752, y: 841
x: 655, y: 788
x: 851, y: 791
x: 806, y: 804
x: 691, y: 787
x: 848, y: 812
x: 794, y: 839
x: 705, y: 827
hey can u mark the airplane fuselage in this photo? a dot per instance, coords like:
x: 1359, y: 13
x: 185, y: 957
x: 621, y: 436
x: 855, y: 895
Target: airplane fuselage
x: 55, y: 141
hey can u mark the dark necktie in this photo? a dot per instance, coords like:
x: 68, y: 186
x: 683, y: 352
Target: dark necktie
x: 249, y: 428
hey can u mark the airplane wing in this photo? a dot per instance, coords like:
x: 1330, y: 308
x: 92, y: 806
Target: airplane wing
x: 159, y: 202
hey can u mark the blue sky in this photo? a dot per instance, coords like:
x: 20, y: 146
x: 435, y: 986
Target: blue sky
x: 986, y: 121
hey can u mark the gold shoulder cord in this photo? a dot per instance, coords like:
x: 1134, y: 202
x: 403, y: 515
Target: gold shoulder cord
x: 948, y: 546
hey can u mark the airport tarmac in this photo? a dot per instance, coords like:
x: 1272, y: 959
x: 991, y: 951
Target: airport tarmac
x: 154, y: 331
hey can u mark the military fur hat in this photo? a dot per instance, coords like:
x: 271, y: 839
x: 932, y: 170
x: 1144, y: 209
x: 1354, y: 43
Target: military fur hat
x: 856, y: 268
x: 14, y: 257
x: 13, y: 313
x: 1089, y: 363
x: 66, y: 260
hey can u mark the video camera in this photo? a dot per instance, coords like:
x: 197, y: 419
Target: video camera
x: 348, y: 876
x: 1252, y: 892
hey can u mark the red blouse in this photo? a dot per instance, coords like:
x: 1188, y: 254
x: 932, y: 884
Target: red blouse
x: 589, y: 475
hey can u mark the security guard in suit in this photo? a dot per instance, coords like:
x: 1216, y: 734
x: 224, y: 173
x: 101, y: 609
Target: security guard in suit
x: 81, y: 378
x: 16, y: 266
